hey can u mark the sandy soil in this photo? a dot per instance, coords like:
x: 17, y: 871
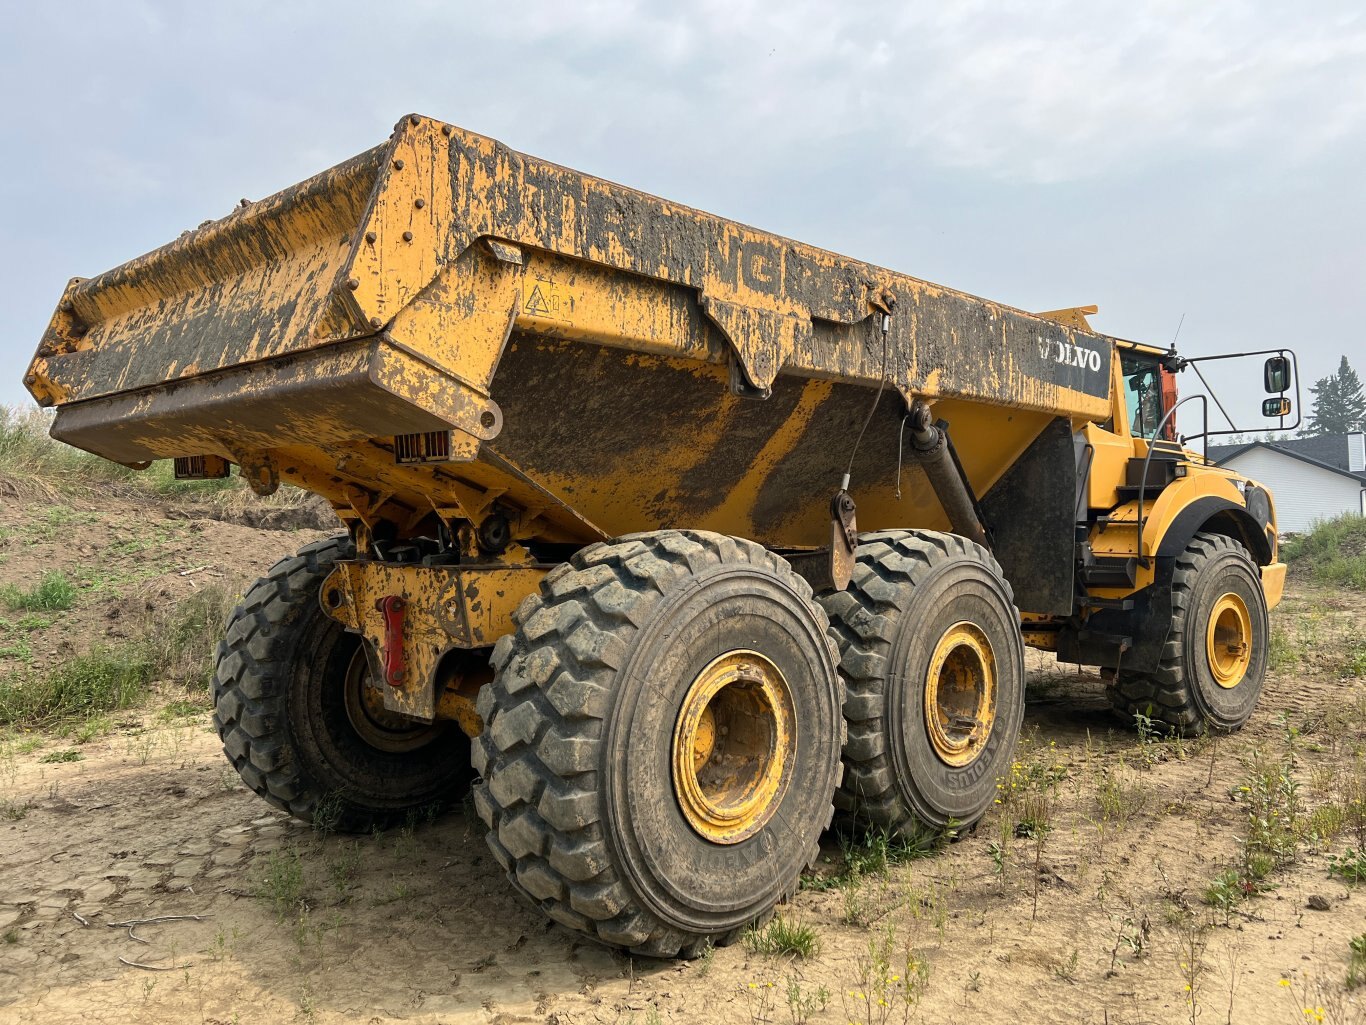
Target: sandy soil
x: 419, y: 925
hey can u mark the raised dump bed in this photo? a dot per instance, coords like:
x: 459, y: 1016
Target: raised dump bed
x: 592, y: 348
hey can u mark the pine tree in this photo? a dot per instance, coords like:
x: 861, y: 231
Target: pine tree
x: 1353, y: 398
x: 1339, y: 403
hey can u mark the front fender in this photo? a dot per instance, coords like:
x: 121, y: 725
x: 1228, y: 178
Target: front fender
x: 1218, y: 515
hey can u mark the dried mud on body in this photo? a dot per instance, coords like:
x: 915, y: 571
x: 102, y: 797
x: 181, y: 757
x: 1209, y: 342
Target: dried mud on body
x: 1124, y: 876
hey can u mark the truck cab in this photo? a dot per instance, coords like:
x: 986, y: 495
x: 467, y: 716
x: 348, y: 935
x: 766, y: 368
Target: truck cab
x: 1153, y: 514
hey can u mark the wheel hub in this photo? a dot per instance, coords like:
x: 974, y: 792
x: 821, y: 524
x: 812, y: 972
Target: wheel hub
x: 376, y: 725
x: 1228, y: 640
x: 960, y: 694
x: 733, y: 746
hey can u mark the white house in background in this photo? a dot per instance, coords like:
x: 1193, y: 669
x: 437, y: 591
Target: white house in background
x: 1309, y: 478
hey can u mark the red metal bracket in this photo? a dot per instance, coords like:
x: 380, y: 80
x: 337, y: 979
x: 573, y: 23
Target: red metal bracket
x: 395, y: 669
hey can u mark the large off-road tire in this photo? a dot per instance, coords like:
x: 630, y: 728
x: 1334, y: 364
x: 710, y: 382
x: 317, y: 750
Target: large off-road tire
x: 289, y: 707
x: 933, y: 659
x: 1213, y: 664
x: 662, y: 740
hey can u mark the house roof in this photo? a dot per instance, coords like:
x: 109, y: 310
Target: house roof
x: 1331, y: 449
x: 1218, y: 453
x: 1221, y: 454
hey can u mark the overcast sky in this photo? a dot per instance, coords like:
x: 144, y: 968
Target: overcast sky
x: 1157, y: 159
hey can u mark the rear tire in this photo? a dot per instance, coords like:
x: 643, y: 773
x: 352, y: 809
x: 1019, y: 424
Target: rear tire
x: 588, y: 806
x: 1201, y: 682
x: 924, y: 610
x: 281, y: 708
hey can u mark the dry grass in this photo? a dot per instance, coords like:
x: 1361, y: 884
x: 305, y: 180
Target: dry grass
x: 33, y: 465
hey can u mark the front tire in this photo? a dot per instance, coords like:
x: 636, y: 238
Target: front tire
x: 1213, y: 664
x: 662, y: 740
x: 933, y: 657
x: 290, y: 705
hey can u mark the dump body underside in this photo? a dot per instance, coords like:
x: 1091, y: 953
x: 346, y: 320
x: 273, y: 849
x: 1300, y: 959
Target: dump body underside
x: 606, y: 361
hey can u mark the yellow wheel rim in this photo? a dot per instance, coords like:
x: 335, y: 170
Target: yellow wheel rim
x: 733, y: 746
x: 1228, y: 640
x: 960, y: 694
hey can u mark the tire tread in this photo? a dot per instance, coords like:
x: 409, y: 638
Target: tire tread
x: 549, y: 836
x: 1166, y: 694
x: 864, y: 618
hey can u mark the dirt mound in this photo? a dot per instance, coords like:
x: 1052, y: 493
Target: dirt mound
x: 314, y: 513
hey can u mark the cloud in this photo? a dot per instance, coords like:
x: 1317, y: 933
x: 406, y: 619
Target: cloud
x: 1039, y: 93
x: 1210, y: 152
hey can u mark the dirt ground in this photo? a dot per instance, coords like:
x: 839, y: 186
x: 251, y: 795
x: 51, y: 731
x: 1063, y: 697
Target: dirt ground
x: 1103, y: 921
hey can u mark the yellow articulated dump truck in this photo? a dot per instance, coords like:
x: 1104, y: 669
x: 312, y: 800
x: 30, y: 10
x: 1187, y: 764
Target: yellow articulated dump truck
x: 674, y: 535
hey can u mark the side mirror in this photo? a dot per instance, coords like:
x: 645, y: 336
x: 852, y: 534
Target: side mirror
x: 1276, y: 377
x: 1276, y: 407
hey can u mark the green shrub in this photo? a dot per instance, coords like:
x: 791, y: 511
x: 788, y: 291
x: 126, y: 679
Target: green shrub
x: 1356, y: 961
x: 56, y: 757
x: 1351, y: 866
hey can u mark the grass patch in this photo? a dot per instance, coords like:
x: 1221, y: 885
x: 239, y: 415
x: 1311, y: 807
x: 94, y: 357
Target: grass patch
x: 22, y: 745
x: 160, y: 479
x: 54, y: 521
x: 184, y: 643
x: 1119, y: 795
x: 283, y: 883
x: 92, y: 727
x: 36, y: 465
x: 784, y: 936
x: 14, y: 811
x: 1333, y: 552
x: 54, y: 592
x: 1282, y: 652
x: 1324, y: 823
x: 180, y: 710
x: 177, y: 647
x: 55, y: 757
x: 1275, y: 825
x: 14, y: 647
x: 101, y: 680
x: 1354, y: 662
x: 874, y: 853
x: 869, y: 857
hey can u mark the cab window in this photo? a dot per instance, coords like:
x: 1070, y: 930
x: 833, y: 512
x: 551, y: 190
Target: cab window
x: 1142, y: 394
